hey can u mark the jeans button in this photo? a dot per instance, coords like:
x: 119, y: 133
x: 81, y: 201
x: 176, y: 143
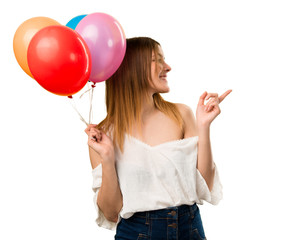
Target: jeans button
x: 174, y: 225
x: 173, y: 213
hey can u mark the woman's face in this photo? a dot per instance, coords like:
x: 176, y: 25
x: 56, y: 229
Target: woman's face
x: 159, y: 70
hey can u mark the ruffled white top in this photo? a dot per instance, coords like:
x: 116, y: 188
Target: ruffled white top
x: 157, y: 177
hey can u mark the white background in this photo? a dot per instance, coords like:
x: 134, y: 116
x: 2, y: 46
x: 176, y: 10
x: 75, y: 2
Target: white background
x: 246, y: 46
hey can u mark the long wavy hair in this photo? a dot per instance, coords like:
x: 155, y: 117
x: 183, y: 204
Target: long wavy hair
x: 127, y: 88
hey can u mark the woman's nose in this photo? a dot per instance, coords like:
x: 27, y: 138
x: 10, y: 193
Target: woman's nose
x: 167, y: 67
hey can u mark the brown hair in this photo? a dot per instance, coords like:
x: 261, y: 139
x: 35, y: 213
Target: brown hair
x: 126, y: 89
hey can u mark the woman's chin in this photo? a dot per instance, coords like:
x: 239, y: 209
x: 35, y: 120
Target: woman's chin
x: 165, y: 90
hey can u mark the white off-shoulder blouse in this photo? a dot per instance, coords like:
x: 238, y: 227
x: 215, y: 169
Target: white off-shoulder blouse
x: 157, y: 177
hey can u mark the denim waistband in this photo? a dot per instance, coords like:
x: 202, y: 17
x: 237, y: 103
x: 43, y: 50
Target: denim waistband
x: 168, y: 212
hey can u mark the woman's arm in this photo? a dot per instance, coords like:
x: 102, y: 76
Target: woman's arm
x: 101, y: 151
x: 200, y: 126
x: 109, y: 199
x: 205, y: 162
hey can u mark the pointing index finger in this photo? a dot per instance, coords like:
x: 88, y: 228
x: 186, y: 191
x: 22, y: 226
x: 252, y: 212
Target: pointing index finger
x: 224, y: 95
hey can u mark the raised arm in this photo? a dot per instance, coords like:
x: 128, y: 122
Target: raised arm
x: 205, y: 114
x: 205, y: 162
x: 200, y: 126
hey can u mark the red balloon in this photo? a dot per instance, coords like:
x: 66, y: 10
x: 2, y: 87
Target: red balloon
x: 59, y: 60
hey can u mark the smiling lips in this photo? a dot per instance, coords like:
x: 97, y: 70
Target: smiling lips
x: 163, y: 77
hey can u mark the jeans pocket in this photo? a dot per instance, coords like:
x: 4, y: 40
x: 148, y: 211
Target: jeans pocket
x: 197, y: 236
x: 132, y: 228
x: 197, y: 226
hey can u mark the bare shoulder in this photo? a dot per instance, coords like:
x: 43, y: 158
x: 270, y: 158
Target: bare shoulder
x: 185, y: 111
x: 190, y: 126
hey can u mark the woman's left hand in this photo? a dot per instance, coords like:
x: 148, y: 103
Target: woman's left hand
x: 205, y: 114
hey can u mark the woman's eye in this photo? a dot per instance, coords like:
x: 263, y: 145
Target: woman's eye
x: 159, y: 60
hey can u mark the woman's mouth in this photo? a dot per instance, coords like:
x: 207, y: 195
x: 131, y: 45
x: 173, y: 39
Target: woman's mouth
x: 163, y: 77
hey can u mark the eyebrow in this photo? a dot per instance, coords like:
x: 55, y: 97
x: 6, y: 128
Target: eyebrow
x: 159, y: 55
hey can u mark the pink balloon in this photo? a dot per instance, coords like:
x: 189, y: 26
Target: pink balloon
x: 106, y: 41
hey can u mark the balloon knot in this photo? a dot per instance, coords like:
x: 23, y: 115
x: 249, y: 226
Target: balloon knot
x: 70, y: 96
x: 93, y: 85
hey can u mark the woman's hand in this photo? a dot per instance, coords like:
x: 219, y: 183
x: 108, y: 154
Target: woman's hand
x: 205, y: 114
x: 100, y: 143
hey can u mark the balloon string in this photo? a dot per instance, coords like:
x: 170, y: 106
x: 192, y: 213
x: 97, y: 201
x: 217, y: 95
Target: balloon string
x: 75, y: 108
x: 85, y: 92
x: 91, y: 98
x: 91, y: 90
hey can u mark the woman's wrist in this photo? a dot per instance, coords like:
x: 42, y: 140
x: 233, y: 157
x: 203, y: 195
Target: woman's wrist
x: 203, y: 129
x: 110, y: 163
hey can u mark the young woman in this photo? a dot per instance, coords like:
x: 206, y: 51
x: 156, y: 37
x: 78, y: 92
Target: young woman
x: 151, y: 159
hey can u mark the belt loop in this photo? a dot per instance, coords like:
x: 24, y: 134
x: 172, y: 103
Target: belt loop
x: 147, y: 217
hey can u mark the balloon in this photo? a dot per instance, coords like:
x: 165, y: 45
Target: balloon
x: 107, y: 44
x: 74, y: 21
x: 23, y: 36
x: 59, y: 60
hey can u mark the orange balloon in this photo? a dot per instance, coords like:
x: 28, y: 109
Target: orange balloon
x: 23, y: 36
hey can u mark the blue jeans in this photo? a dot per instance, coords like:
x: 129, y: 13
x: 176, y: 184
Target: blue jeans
x: 173, y: 223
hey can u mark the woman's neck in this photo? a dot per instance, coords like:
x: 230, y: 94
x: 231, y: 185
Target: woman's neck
x: 148, y: 108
